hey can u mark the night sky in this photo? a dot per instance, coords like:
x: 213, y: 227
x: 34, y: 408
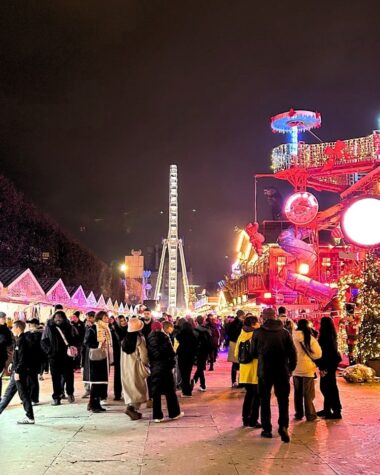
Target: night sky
x: 98, y: 98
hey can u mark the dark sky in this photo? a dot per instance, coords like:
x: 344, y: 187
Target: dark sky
x: 98, y: 98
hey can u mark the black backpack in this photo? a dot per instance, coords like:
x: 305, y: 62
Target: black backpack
x: 245, y: 354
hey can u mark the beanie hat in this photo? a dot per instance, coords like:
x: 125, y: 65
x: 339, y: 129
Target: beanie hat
x: 156, y: 326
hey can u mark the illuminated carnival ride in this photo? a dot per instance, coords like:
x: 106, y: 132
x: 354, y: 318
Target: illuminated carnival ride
x: 350, y: 168
x: 300, y: 268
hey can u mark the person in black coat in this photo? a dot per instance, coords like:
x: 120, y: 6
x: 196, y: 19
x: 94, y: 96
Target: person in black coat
x: 186, y: 354
x: 212, y: 326
x: 275, y: 350
x: 118, y: 330
x: 80, y: 330
x: 233, y: 330
x: 162, y: 361
x: 6, y: 342
x: 20, y: 371
x: 55, y: 346
x: 33, y: 337
x: 328, y: 365
x: 203, y: 348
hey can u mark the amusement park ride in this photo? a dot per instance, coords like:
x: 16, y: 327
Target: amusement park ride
x: 299, y: 268
x: 172, y: 245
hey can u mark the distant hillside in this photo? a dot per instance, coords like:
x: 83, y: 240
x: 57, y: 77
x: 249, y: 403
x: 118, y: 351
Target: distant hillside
x: 29, y: 238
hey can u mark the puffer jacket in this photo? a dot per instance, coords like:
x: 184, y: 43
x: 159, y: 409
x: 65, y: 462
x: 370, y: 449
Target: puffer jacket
x: 306, y: 367
x: 248, y: 371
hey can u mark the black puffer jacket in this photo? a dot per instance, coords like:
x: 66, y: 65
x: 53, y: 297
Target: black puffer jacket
x: 162, y: 361
x: 274, y: 348
x: 233, y: 329
x: 36, y: 354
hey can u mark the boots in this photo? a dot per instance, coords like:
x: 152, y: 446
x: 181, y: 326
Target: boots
x: 132, y: 413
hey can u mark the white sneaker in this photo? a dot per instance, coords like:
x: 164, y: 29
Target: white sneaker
x: 202, y: 390
x: 185, y: 396
x: 26, y: 420
x: 178, y: 417
x: 157, y: 421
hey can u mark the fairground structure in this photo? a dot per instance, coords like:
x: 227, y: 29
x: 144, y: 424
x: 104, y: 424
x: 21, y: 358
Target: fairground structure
x: 291, y: 261
x: 172, y: 246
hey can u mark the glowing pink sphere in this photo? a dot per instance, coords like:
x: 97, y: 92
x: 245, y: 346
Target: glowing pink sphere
x: 361, y: 222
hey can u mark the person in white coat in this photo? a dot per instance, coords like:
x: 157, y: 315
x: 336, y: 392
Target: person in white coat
x: 134, y: 368
x: 308, y: 350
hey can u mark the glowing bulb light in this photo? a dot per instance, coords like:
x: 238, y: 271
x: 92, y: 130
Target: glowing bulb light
x: 361, y: 222
x: 303, y: 268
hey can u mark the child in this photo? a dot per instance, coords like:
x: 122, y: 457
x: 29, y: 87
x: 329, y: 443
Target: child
x: 20, y: 373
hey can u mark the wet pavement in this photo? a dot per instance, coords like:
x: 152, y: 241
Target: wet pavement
x: 208, y: 440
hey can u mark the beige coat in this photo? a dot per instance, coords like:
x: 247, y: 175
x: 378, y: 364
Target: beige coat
x: 305, y: 365
x: 134, y: 384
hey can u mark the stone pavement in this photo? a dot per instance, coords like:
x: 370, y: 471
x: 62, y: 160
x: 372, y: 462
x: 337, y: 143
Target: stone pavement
x: 208, y: 440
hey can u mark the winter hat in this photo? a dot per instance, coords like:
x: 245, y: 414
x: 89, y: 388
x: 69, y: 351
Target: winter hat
x: 268, y: 313
x: 135, y: 325
x: 156, y: 326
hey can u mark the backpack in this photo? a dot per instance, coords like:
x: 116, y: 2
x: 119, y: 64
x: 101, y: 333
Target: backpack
x: 245, y: 354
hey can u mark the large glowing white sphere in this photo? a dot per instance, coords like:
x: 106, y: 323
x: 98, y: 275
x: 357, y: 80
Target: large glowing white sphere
x: 361, y: 222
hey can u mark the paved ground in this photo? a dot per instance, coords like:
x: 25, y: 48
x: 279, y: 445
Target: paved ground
x: 208, y: 440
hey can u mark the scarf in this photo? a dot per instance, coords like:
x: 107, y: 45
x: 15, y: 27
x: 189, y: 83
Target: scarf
x: 104, y: 335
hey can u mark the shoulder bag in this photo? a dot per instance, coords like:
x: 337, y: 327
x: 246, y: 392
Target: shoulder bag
x: 72, y: 351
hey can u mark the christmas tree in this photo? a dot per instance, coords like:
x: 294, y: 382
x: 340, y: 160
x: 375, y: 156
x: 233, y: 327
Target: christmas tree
x: 369, y: 335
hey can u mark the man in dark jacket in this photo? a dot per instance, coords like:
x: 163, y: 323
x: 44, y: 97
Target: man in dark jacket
x: 162, y: 361
x: 20, y: 371
x: 81, y: 330
x: 215, y: 335
x: 233, y: 331
x: 274, y: 348
x: 6, y: 342
x: 203, y: 347
x: 58, y: 335
x: 148, y: 320
x: 33, y: 337
x: 118, y: 329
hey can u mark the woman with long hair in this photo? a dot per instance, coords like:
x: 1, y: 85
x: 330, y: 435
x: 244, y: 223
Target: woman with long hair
x: 97, y: 364
x: 328, y: 366
x: 308, y: 350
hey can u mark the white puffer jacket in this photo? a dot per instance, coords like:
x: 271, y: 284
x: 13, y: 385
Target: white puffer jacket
x: 305, y: 365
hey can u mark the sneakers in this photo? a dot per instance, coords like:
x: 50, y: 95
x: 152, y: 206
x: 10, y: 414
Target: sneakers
x: 86, y: 395
x: 266, y: 435
x: 186, y: 395
x: 56, y: 402
x: 71, y: 399
x: 35, y: 403
x: 26, y: 420
x: 284, y: 434
x: 202, y: 390
x: 157, y: 421
x: 181, y: 414
x: 255, y: 425
x: 235, y: 385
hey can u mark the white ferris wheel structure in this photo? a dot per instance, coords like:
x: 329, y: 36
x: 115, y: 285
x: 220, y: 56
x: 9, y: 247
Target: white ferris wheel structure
x: 173, y: 246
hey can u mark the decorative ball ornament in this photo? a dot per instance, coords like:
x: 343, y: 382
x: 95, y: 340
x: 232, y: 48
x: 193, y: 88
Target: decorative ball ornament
x: 361, y: 222
x: 301, y: 208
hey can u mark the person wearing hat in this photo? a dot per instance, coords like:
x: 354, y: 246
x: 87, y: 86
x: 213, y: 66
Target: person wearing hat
x: 134, y: 368
x: 6, y: 342
x: 274, y: 348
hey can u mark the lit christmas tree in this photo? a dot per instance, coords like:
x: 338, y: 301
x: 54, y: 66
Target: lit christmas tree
x: 369, y: 335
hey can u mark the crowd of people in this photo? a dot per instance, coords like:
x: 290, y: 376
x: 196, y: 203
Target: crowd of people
x: 152, y: 358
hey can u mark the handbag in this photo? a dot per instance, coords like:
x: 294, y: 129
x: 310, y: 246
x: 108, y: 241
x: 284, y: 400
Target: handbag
x: 97, y: 354
x: 72, y: 351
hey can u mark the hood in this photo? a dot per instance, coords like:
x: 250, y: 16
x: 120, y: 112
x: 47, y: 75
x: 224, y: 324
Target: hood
x: 272, y: 325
